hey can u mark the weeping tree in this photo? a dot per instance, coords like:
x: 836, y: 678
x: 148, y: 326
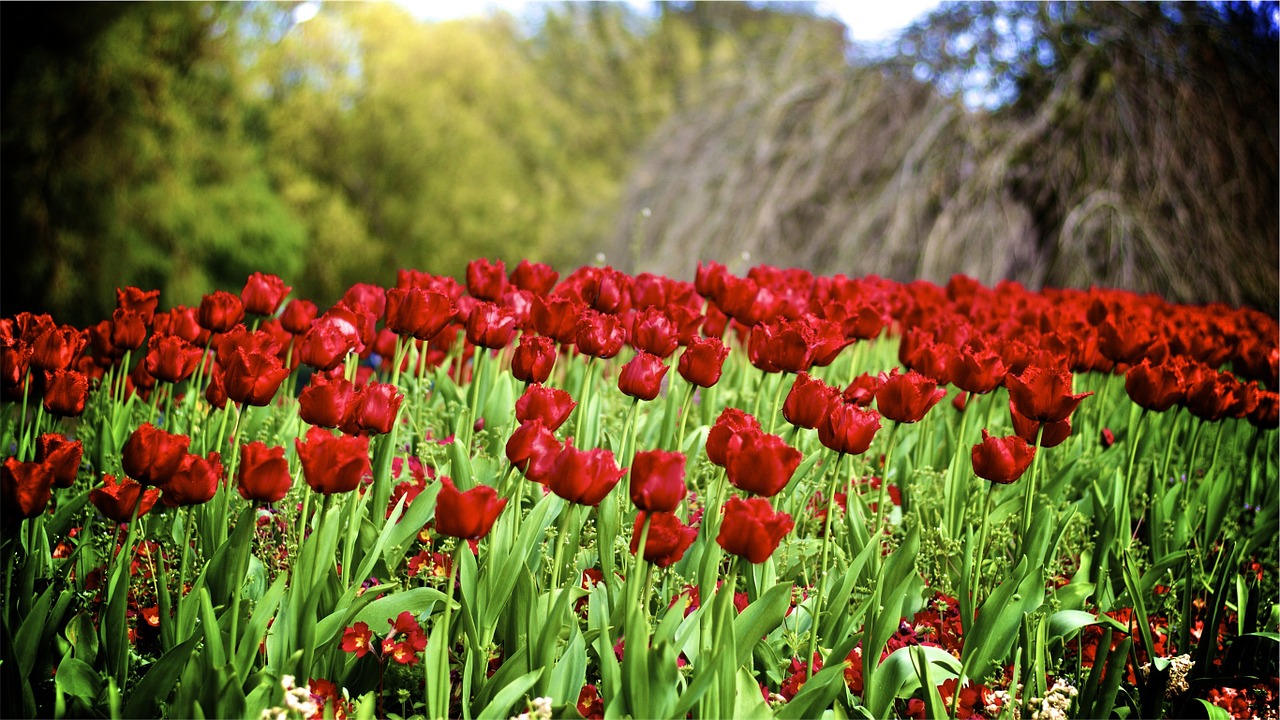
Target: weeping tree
x: 1055, y: 144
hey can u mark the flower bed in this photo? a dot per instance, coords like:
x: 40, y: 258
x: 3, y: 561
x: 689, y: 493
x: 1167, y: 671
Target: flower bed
x: 852, y: 496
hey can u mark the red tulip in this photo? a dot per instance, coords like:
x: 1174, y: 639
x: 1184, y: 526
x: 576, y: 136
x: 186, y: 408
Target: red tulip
x: 263, y: 475
x: 333, y: 464
x: 537, y: 278
x: 263, y: 293
x: 327, y: 344
x: 128, y: 329
x: 252, y: 377
x: 599, y: 335
x: 116, y: 500
x: 56, y: 348
x: 1266, y: 412
x: 63, y: 457
x: 298, y: 316
x: 220, y: 311
x: 181, y: 322
x: 1001, y: 459
x: 490, y: 326
x: 551, y: 405
x: 533, y: 449
x: 533, y: 359
x: 641, y: 377
x: 653, y: 332
x: 377, y: 405
x: 170, y: 358
x: 65, y: 392
x: 702, y: 361
x: 584, y: 476
x: 151, y: 456
x: 1043, y: 393
x: 143, y: 302
x: 327, y: 403
x: 808, y: 401
x: 485, y: 280
x: 751, y: 529
x: 1053, y: 434
x: 418, y: 312
x: 907, y: 397
x: 195, y: 482
x: 25, y: 487
x: 657, y: 480
x: 468, y: 515
x: 556, y: 318
x: 862, y: 391
x: 762, y: 466
x: 978, y: 370
x: 668, y: 538
x: 1154, y: 387
x: 848, y: 428
x: 731, y: 430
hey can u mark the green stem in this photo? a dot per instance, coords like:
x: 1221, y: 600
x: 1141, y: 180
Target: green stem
x: 583, y: 388
x: 878, y: 531
x: 826, y: 552
x: 1029, y: 493
x: 685, y: 407
x: 777, y: 400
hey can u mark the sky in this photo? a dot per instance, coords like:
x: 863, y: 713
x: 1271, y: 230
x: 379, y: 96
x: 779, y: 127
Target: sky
x: 867, y: 20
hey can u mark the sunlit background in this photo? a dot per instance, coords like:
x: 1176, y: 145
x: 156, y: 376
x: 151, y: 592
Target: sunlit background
x: 181, y: 146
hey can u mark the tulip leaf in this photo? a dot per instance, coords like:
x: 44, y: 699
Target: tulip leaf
x: 532, y: 530
x: 1213, y: 712
x: 76, y: 677
x: 411, y: 523
x: 161, y: 676
x: 27, y: 642
x: 760, y: 618
x: 256, y: 629
x: 507, y: 697
x: 747, y: 702
x: 933, y: 705
x: 570, y: 673
x: 1000, y: 617
x: 818, y: 692
x: 416, y: 601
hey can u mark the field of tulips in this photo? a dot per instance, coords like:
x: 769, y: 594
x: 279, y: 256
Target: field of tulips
x: 851, y: 498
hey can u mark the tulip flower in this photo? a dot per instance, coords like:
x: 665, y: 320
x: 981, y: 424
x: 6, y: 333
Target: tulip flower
x: 906, y: 397
x: 654, y: 333
x: 327, y: 403
x: 533, y: 359
x: 116, y: 500
x: 599, y: 335
x: 486, y: 280
x: 537, y: 278
x: 490, y: 326
x: 375, y: 409
x: 848, y: 429
x: 128, y: 329
x: 730, y: 430
x: 1155, y: 387
x: 668, y: 538
x: 263, y: 293
x: 143, y: 302
x: 556, y: 318
x: 195, y: 482
x: 263, y: 475
x: 151, y: 456
x: 1043, y: 393
x: 763, y: 466
x: 65, y: 393
x: 702, y: 361
x: 808, y: 401
x: 862, y: 391
x: 252, y: 376
x: 298, y: 316
x: 57, y: 348
x: 1052, y: 434
x: 468, y: 515
x: 333, y: 464
x: 170, y: 358
x: 584, y: 476
x: 419, y: 313
x: 1001, y: 459
x: 657, y: 480
x: 220, y: 311
x: 751, y: 529
x: 641, y: 377
x: 978, y: 370
x: 62, y: 456
x: 330, y: 339
x: 551, y: 405
x: 25, y: 487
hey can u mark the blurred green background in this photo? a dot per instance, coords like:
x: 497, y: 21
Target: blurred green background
x: 182, y: 146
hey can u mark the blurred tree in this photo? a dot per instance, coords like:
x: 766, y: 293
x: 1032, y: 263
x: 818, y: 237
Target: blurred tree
x: 125, y: 161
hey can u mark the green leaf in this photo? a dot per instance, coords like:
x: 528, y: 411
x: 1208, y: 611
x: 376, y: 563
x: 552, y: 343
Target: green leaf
x: 76, y: 677
x: 416, y: 601
x: 27, y: 642
x: 1065, y: 623
x: 569, y: 674
x: 760, y: 618
x: 898, y: 674
x: 1213, y: 711
x: 998, y: 620
x: 256, y: 629
x: 509, y: 695
x: 156, y: 685
x: 817, y: 694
